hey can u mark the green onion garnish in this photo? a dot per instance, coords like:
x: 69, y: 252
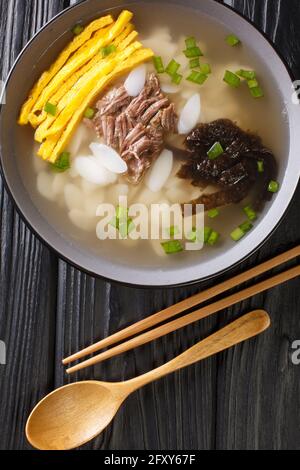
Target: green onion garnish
x: 78, y: 28
x: 89, y: 113
x: 197, y: 77
x: 257, y: 92
x: 237, y: 234
x: 215, y: 151
x: 122, y: 222
x: 273, y: 186
x: 173, y: 246
x: 213, y: 238
x: 250, y: 213
x: 232, y: 79
x: 172, y: 67
x: 247, y: 74
x: 105, y: 51
x: 213, y: 213
x: 176, y: 78
x: 193, y: 52
x: 62, y: 163
x: 207, y: 234
x: 252, y: 83
x: 192, y: 236
x: 241, y: 231
x: 200, y: 235
x: 260, y: 166
x: 126, y: 228
x: 50, y: 108
x: 173, y: 230
x: 232, y: 40
x: 190, y: 42
x: 158, y: 64
x: 194, y: 63
x: 246, y: 226
x: 205, y: 68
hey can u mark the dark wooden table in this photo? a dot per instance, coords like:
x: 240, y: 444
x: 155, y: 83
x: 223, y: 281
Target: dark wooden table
x: 246, y: 398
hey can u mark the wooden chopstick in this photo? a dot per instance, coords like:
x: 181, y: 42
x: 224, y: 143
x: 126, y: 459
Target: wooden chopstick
x: 188, y: 303
x: 190, y: 318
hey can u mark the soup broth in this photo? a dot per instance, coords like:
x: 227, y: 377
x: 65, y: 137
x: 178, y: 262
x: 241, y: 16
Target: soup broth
x: 70, y: 202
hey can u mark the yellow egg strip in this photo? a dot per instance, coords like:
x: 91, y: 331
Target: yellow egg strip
x: 56, y: 144
x: 88, y: 82
x: 60, y: 97
x: 77, y: 61
x: 45, y: 78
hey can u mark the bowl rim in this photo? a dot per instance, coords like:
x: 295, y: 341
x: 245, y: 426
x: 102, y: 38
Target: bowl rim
x: 71, y: 262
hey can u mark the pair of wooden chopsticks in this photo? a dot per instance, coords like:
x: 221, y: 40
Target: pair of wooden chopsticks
x: 188, y: 303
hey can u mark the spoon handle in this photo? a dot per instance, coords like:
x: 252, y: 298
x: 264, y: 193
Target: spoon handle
x: 244, y: 328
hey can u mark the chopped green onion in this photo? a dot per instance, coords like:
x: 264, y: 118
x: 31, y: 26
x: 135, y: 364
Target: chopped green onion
x: 252, y: 83
x: 194, y: 63
x: 247, y: 74
x: 273, y: 186
x: 205, y: 68
x: 192, y: 236
x: 173, y: 230
x: 126, y: 228
x: 241, y: 230
x: 78, y: 28
x: 213, y: 213
x: 250, y: 213
x: 122, y: 212
x: 260, y: 166
x: 173, y: 246
x: 237, y: 234
x: 62, y: 163
x: 158, y: 64
x: 190, y: 42
x: 105, y: 51
x: 232, y: 79
x: 89, y: 113
x: 172, y: 67
x: 200, y: 235
x: 197, y: 77
x: 176, y: 78
x: 213, y: 238
x: 122, y: 222
x: 257, y: 92
x: 246, y: 226
x: 207, y: 234
x: 215, y: 151
x: 193, y: 52
x: 232, y: 40
x: 50, y: 108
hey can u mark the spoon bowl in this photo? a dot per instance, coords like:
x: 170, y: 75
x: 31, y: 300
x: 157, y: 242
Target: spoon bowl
x: 86, y: 408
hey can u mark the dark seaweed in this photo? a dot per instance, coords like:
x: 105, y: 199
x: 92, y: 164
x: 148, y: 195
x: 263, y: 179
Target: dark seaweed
x: 234, y: 172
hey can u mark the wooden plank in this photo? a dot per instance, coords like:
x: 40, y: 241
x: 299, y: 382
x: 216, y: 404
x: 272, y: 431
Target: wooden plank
x: 27, y: 271
x: 258, y: 387
x: 90, y: 309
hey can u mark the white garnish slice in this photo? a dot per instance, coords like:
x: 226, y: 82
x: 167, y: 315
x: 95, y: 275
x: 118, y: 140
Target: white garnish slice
x: 108, y: 158
x: 160, y: 171
x: 90, y: 169
x: 190, y: 114
x: 135, y: 81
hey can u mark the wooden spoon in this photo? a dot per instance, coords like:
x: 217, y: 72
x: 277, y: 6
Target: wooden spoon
x: 73, y: 415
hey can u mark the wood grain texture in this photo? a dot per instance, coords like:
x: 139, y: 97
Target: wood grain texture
x: 246, y: 398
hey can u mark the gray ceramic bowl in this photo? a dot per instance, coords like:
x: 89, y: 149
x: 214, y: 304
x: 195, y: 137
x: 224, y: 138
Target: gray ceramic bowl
x: 16, y: 141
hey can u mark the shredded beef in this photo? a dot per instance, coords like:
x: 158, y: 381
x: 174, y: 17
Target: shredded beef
x: 135, y: 127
